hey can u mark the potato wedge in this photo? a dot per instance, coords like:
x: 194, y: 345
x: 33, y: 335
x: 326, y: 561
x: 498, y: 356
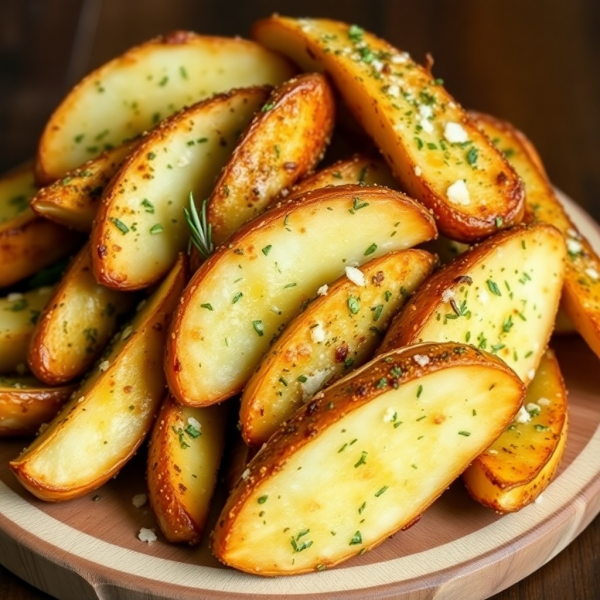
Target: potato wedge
x: 184, y: 455
x: 284, y: 141
x: 108, y: 417
x: 26, y: 404
x: 520, y: 464
x: 76, y: 324
x: 134, y: 91
x: 581, y: 292
x: 240, y: 299
x: 28, y: 242
x: 501, y: 296
x: 140, y: 226
x: 392, y: 438
x: 360, y: 169
x: 19, y: 313
x: 73, y: 200
x: 433, y: 147
x: 338, y: 331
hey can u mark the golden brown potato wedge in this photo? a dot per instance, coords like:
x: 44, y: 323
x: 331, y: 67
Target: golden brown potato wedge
x: 28, y: 242
x: 338, y: 331
x: 73, y: 200
x: 26, y: 404
x: 581, y: 292
x: 19, y: 312
x: 359, y: 169
x: 140, y: 226
x: 392, y: 438
x: 243, y: 295
x: 433, y: 147
x: 184, y: 455
x: 501, y: 296
x: 77, y: 322
x: 520, y: 464
x: 133, y: 92
x: 284, y: 141
x: 108, y: 417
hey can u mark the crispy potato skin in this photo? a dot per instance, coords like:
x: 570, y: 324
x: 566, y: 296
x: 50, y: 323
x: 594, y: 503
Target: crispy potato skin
x: 26, y: 404
x: 214, y: 343
x: 78, y: 321
x: 129, y: 94
x: 411, y: 132
x: 521, y: 463
x: 501, y: 295
x: 263, y: 502
x: 184, y: 454
x: 581, y: 291
x: 284, y: 141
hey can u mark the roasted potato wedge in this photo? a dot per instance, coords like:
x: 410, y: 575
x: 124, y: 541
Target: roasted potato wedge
x: 28, y: 242
x: 240, y: 299
x: 184, y: 455
x: 363, y: 460
x: 433, y: 147
x: 284, y: 141
x: 133, y: 92
x: 19, y: 313
x: 108, y: 417
x: 73, y: 200
x: 140, y: 226
x: 581, y: 291
x: 520, y: 464
x: 76, y: 324
x: 26, y: 404
x: 501, y: 296
x: 338, y: 331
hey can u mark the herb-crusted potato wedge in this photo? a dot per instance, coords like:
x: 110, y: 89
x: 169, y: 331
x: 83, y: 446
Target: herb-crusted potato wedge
x: 285, y: 140
x: 76, y: 323
x: 109, y: 415
x: 19, y: 313
x: 140, y: 226
x: 360, y: 169
x: 26, y: 404
x: 73, y: 200
x: 501, y: 296
x: 520, y: 464
x: 183, y: 459
x: 28, y: 242
x: 338, y: 331
x: 134, y: 91
x: 391, y: 437
x: 581, y: 290
x: 240, y: 299
x: 433, y: 147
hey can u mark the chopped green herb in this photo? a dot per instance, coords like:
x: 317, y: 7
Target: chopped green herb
x: 119, y: 225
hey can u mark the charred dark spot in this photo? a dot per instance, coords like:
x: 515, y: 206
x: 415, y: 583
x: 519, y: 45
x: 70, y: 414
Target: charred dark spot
x: 311, y: 408
x: 311, y: 53
x: 177, y: 366
x: 361, y: 390
x: 128, y: 389
x: 290, y: 167
x: 341, y: 353
x: 501, y: 178
x: 102, y: 251
x: 177, y: 37
x: 463, y: 279
x: 378, y: 278
x: 157, y: 326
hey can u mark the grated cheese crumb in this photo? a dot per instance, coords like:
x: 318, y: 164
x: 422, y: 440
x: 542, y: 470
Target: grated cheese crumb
x: 533, y: 409
x: 459, y: 193
x: 147, y: 535
x: 543, y: 401
x: 317, y: 333
x: 421, y: 359
x: 126, y: 332
x: 246, y: 474
x: 355, y: 276
x: 492, y: 451
x: 523, y: 416
x: 322, y: 291
x: 455, y: 133
x: 418, y: 171
x: 314, y: 383
x: 574, y: 247
x: 103, y: 366
x: 14, y: 296
x: 531, y: 374
x: 393, y: 90
x: 592, y: 274
x: 389, y: 415
x: 447, y: 295
x: 139, y: 500
x: 195, y: 423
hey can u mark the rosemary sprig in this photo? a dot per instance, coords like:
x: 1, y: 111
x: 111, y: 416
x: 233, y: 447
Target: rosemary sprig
x: 200, y: 228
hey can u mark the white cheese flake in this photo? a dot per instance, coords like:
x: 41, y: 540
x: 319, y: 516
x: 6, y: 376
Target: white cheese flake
x: 389, y: 416
x: 574, y: 247
x: 426, y: 125
x: 447, y: 295
x: 492, y: 451
x: 393, y: 90
x: 246, y: 474
x: 126, y: 332
x: 139, y: 500
x: 418, y: 171
x: 314, y: 383
x: 531, y: 374
x: 193, y: 422
x: 421, y: 359
x: 322, y: 291
x: 455, y: 133
x: 317, y: 333
x: 356, y: 276
x: 543, y: 401
x: 103, y: 366
x: 523, y: 416
x: 533, y: 409
x: 147, y: 535
x: 483, y: 297
x: 458, y: 193
x: 592, y: 274
x: 14, y: 296
x: 398, y: 59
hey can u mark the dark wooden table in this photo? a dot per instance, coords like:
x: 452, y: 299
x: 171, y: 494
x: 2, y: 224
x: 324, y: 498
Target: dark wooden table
x: 534, y: 63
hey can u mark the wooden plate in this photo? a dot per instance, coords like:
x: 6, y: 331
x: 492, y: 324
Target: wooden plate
x: 88, y: 548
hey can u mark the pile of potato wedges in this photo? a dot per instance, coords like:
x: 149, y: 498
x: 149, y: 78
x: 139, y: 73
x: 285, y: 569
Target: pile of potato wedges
x: 333, y: 320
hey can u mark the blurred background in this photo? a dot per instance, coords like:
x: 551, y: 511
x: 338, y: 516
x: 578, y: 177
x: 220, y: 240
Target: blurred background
x: 535, y: 63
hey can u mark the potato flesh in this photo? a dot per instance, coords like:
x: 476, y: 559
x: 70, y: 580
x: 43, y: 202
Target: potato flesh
x: 16, y: 190
x: 238, y: 301
x: 76, y: 324
x: 509, y: 307
x: 328, y: 339
x: 108, y: 416
x: 142, y: 212
x: 18, y: 315
x: 406, y: 112
x: 368, y: 474
x: 131, y: 93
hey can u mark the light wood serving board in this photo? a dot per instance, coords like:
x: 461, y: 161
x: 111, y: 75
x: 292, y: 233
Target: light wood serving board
x: 88, y: 548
